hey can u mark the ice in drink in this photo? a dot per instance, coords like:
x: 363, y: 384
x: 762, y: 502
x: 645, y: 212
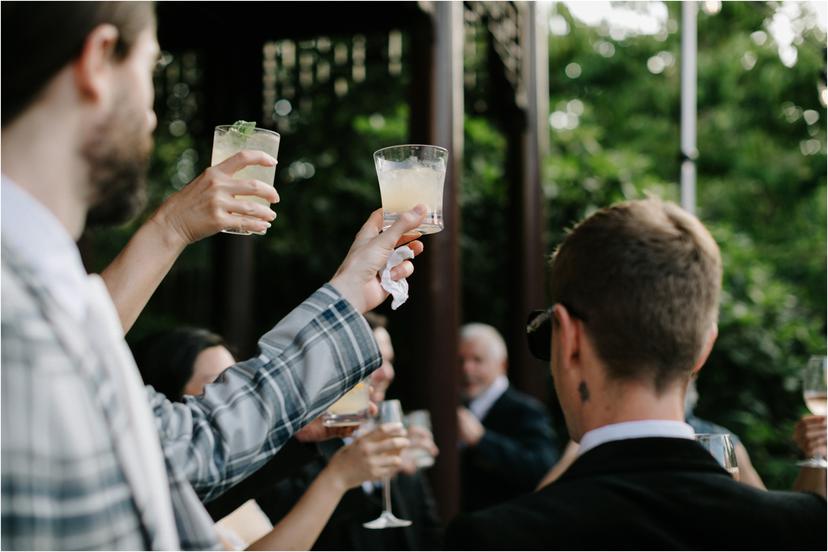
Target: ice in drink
x: 228, y: 140
x: 402, y: 189
x: 409, y: 175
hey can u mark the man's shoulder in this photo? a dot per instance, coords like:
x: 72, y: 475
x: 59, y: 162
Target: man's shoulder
x: 19, y: 304
x: 601, y: 511
x: 526, y: 522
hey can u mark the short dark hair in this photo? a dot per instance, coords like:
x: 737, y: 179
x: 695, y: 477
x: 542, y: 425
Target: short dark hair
x: 166, y: 359
x: 40, y: 38
x: 645, y: 277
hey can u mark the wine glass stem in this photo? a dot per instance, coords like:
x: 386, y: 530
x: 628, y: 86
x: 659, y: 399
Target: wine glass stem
x: 386, y: 493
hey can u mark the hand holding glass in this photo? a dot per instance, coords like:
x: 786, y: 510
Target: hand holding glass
x: 408, y: 175
x: 227, y: 141
x: 390, y: 413
x: 814, y: 392
x: 720, y: 446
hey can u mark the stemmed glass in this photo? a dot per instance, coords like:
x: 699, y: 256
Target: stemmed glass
x: 390, y: 413
x: 814, y: 392
x: 720, y: 446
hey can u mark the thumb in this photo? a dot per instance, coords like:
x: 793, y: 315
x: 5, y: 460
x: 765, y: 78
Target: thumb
x: 371, y: 227
x: 408, y: 221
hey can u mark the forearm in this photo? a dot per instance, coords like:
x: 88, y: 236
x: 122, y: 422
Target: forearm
x: 137, y: 271
x: 300, y: 528
x: 317, y: 352
x: 566, y: 460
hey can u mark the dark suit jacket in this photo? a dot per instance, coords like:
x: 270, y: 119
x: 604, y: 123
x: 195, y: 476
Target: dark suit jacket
x: 650, y: 493
x: 516, y: 451
x: 411, y: 499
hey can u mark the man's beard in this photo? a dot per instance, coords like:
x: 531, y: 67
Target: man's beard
x: 118, y: 155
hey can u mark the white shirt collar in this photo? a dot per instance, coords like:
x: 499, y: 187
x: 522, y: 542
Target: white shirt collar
x: 635, y: 430
x: 39, y: 239
x: 481, y: 404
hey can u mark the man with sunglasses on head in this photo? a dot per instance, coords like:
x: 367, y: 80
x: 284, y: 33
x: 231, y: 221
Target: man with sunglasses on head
x: 635, y: 294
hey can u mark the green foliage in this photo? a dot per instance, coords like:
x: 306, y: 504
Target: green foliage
x: 762, y: 197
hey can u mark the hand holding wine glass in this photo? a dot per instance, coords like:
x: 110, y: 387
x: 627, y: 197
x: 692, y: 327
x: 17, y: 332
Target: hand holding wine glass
x: 814, y: 393
x: 390, y: 413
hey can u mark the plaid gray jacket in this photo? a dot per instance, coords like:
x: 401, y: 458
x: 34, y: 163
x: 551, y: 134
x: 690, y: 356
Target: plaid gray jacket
x: 62, y: 485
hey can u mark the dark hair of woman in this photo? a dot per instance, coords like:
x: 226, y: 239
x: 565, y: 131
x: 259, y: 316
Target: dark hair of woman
x: 166, y: 359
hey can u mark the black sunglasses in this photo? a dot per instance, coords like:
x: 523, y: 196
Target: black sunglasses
x: 539, y: 330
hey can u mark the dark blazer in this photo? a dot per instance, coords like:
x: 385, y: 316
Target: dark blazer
x: 650, y: 493
x: 411, y: 499
x: 514, y: 454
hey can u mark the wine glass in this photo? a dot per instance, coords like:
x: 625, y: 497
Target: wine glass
x: 390, y: 413
x: 814, y: 392
x: 720, y: 446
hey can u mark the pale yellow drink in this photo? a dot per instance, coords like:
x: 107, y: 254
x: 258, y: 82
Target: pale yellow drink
x: 228, y: 142
x: 350, y: 409
x: 409, y: 175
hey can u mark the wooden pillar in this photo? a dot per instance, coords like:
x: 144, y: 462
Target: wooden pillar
x: 529, y: 223
x: 437, y: 118
x: 233, y: 81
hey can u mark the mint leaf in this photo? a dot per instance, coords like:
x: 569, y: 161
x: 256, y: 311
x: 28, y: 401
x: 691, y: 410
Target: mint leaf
x: 245, y: 128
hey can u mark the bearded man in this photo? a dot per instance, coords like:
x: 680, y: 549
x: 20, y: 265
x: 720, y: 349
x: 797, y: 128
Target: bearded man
x: 90, y: 458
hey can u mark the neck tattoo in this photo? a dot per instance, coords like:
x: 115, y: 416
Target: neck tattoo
x: 583, y: 391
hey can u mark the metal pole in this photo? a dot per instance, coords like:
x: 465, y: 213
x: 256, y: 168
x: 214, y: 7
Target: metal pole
x: 689, y: 153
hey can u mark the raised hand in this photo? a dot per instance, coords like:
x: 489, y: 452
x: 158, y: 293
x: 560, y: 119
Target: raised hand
x: 357, y: 278
x: 316, y: 431
x: 208, y: 204
x: 373, y: 456
x: 810, y: 436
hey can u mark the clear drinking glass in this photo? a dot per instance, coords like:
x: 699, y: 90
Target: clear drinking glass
x: 390, y: 413
x: 720, y: 446
x: 408, y: 175
x: 228, y: 141
x: 421, y: 457
x: 351, y: 408
x: 814, y: 393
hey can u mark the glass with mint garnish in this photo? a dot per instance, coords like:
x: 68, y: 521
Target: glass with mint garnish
x: 229, y: 140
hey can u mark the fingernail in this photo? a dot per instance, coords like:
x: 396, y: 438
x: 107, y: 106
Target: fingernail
x: 267, y: 224
x: 420, y: 209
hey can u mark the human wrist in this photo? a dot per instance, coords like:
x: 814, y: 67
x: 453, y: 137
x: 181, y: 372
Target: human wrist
x: 349, y: 291
x: 161, y: 224
x: 333, y: 477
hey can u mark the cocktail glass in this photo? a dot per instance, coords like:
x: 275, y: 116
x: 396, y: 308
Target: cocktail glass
x: 228, y: 141
x: 351, y: 409
x: 411, y: 174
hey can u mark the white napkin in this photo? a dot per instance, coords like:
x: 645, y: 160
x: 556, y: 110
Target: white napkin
x: 398, y: 289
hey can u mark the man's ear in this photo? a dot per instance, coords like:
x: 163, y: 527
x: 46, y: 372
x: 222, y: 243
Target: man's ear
x: 93, y: 67
x: 569, y: 338
x: 712, y: 334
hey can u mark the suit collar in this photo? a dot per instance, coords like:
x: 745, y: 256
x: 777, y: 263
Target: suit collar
x: 634, y: 430
x: 641, y: 455
x: 483, y: 403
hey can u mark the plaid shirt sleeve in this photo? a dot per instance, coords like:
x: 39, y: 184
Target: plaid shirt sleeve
x: 315, y: 354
